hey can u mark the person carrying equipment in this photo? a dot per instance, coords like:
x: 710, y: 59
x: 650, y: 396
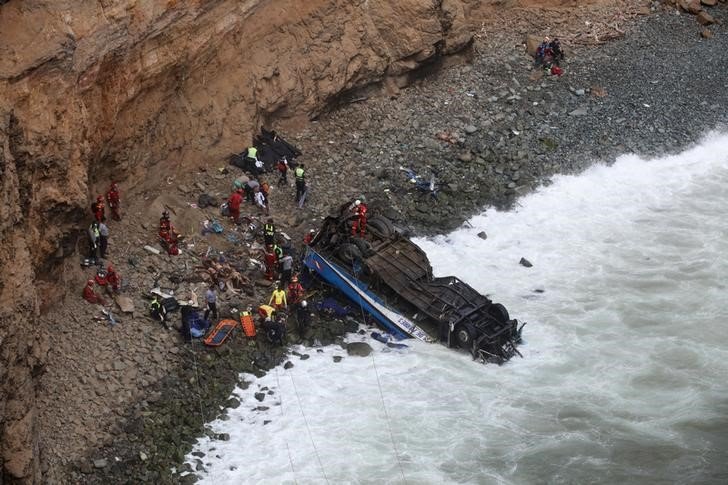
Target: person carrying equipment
x: 94, y: 236
x: 266, y: 312
x: 295, y: 291
x: 278, y: 298
x: 98, y: 209
x: 90, y: 295
x: 360, y: 223
x: 300, y: 174
x: 234, y: 205
x: 157, y: 310
x: 113, y: 197
x: 260, y: 201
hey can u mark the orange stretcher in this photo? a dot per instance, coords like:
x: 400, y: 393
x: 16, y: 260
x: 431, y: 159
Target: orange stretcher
x: 220, y: 333
x: 246, y: 320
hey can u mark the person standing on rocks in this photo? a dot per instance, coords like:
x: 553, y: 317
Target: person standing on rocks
x: 269, y: 232
x: 98, y: 209
x: 303, y: 317
x: 250, y: 187
x: 113, y: 280
x: 234, y: 205
x: 103, y: 239
x: 295, y: 291
x: 260, y: 201
x: 283, y: 171
x: 113, y: 198
x: 278, y: 298
x: 300, y: 174
x: 94, y: 237
x: 286, y: 263
x: 211, y: 300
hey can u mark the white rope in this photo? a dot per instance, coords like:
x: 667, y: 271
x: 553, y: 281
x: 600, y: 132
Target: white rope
x: 290, y: 460
x: 308, y: 428
x: 389, y: 426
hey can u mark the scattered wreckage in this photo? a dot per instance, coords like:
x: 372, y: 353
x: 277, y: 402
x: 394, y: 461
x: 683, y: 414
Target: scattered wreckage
x: 389, y: 277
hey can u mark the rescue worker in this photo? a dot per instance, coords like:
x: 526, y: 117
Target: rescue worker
x: 278, y: 298
x: 113, y: 197
x: 113, y: 279
x: 234, y: 205
x: 90, y: 295
x: 295, y: 291
x: 303, y: 317
x: 308, y: 238
x: 157, y: 310
x: 300, y: 174
x: 275, y: 329
x: 544, y: 53
x: 252, y: 156
x: 269, y: 232
x: 168, y: 236
x: 283, y: 171
x: 360, y: 223
x: 266, y: 312
x: 211, y: 300
x: 103, y: 239
x: 286, y: 264
x: 278, y: 251
x: 250, y: 187
x: 98, y: 209
x: 260, y: 201
x: 94, y: 236
x: 164, y: 222
x: 270, y: 260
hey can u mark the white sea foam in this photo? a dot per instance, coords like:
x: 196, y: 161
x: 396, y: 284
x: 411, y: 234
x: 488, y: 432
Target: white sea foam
x: 625, y: 362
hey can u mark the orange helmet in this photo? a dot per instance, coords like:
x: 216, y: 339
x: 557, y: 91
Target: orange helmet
x: 90, y: 282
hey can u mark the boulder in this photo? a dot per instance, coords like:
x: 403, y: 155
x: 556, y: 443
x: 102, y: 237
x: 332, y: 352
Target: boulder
x: 693, y: 7
x: 704, y: 18
x: 706, y: 34
x: 525, y: 262
x: 482, y: 235
x: 709, y: 3
x: 361, y: 349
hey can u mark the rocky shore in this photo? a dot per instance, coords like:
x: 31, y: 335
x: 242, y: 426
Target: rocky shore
x: 490, y: 129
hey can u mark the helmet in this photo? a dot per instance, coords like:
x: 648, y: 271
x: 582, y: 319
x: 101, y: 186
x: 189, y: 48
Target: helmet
x: 90, y: 282
x: 240, y: 190
x: 110, y: 269
x: 294, y: 279
x: 100, y: 198
x: 165, y: 214
x: 357, y: 202
x: 114, y: 185
x: 312, y: 231
x: 304, y: 304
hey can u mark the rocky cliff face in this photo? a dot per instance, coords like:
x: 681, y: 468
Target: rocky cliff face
x: 129, y: 90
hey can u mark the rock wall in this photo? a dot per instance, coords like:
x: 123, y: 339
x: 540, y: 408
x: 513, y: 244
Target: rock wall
x: 134, y: 90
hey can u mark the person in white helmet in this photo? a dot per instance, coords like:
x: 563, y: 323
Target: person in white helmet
x: 303, y: 317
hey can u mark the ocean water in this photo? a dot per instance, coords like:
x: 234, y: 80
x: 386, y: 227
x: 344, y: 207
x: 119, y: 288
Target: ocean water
x: 624, y: 376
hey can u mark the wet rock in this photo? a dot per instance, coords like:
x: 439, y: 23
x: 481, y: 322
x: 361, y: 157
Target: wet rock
x: 232, y: 403
x: 361, y: 349
x: 260, y: 396
x: 288, y: 365
x: 305, y: 357
x: 337, y: 358
x: 482, y: 235
x: 222, y: 437
x: 525, y: 262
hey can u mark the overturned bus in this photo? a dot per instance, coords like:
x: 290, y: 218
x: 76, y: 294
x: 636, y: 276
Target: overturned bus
x: 391, y: 279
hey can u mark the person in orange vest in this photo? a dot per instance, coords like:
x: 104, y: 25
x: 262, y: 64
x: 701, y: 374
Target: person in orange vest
x: 113, y: 197
x: 113, y: 279
x: 168, y: 236
x: 295, y: 291
x: 98, y: 209
x: 278, y: 298
x: 234, y: 205
x: 90, y: 295
x: 360, y: 223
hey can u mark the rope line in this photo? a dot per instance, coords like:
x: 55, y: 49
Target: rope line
x: 290, y: 460
x: 308, y: 428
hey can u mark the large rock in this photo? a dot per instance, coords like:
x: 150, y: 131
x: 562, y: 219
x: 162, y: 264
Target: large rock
x: 361, y: 349
x: 704, y: 18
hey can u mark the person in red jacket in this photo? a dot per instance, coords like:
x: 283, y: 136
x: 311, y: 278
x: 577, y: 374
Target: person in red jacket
x: 113, y: 197
x: 295, y: 291
x: 112, y: 279
x: 90, y: 295
x: 98, y: 209
x: 360, y: 223
x: 234, y: 205
x: 270, y: 262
